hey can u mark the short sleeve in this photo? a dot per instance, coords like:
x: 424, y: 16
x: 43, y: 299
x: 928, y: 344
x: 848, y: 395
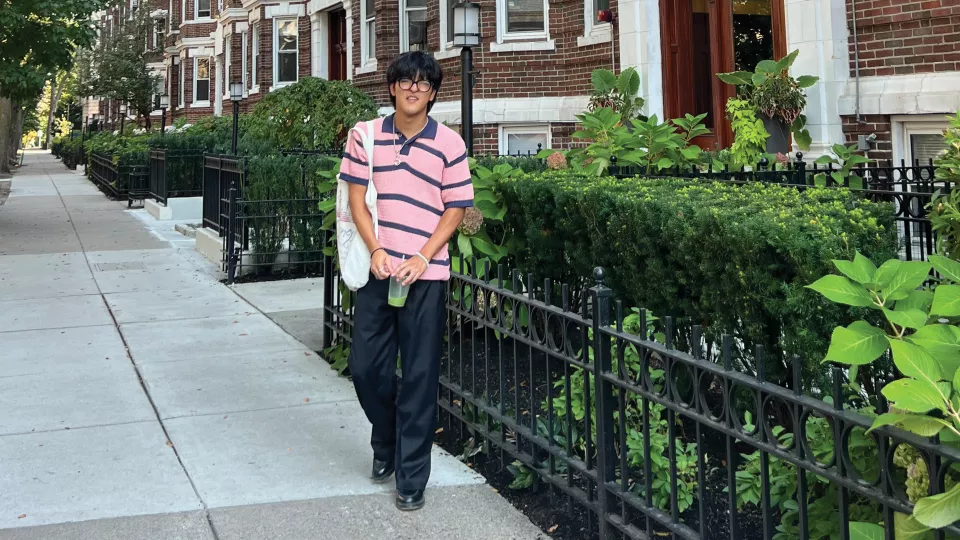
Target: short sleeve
x: 457, y: 186
x: 354, y: 167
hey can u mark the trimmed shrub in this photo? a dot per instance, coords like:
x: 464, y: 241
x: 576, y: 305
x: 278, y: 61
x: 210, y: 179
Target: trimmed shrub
x: 313, y: 114
x: 732, y: 258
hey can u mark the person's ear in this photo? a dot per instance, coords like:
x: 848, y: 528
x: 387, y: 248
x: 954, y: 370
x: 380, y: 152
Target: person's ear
x: 393, y: 89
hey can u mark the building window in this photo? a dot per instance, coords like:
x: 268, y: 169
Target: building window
x: 203, y: 9
x: 594, y: 8
x: 228, y: 59
x: 243, y: 60
x: 159, y: 33
x: 413, y: 25
x: 524, y: 140
x: 522, y: 19
x: 450, y: 26
x: 256, y: 56
x: 285, y: 63
x: 201, y: 80
x: 368, y: 38
x: 183, y: 11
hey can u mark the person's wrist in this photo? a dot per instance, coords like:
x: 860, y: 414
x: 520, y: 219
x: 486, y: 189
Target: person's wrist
x: 372, y: 253
x: 424, y: 259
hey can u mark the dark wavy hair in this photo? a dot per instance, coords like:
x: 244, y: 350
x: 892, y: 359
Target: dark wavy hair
x: 415, y: 65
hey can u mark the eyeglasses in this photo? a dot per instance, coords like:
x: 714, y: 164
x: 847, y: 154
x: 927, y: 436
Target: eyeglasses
x: 422, y: 86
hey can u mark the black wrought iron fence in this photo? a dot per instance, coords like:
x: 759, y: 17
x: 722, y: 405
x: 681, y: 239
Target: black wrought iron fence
x: 176, y: 173
x: 908, y: 187
x: 120, y: 182
x: 219, y: 174
x: 641, y: 436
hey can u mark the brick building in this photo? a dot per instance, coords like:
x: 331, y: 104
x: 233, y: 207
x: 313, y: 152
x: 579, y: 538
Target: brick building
x: 888, y: 69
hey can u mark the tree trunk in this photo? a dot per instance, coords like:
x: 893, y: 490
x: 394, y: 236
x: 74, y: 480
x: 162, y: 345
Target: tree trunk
x: 55, y: 92
x: 6, y: 130
x: 16, y: 142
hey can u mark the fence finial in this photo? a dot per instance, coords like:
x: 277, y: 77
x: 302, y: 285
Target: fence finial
x: 800, y: 156
x: 612, y: 169
x: 599, y: 275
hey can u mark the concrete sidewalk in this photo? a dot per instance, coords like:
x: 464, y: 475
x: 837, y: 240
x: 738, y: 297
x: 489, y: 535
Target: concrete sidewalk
x: 142, y: 399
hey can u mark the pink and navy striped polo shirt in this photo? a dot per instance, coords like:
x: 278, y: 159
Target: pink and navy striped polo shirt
x: 433, y: 175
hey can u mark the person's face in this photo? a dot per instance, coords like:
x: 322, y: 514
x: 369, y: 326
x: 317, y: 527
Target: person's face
x: 413, y: 95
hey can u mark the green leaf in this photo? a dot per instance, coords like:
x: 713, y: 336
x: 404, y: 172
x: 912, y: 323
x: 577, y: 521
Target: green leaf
x: 758, y: 78
x: 914, y: 395
x: 735, y: 78
x: 913, y: 361
x: 803, y: 139
x: 946, y: 301
x: 925, y: 426
x: 806, y: 81
x: 865, y: 531
x: 948, y: 268
x: 908, y: 528
x: 907, y: 278
x: 908, y: 318
x: 939, y: 510
x: 858, y: 344
x: 464, y: 245
x: 886, y: 272
x: 860, y: 269
x: 916, y: 300
x: 842, y: 291
x: 603, y: 80
x: 665, y: 163
x: 691, y: 152
x: 825, y: 160
x: 787, y: 61
x: 942, y: 341
x: 854, y: 182
x: 767, y: 66
x: 629, y: 83
x: 887, y: 419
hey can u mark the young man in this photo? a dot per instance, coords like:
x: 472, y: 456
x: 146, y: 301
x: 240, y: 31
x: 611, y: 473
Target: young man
x: 423, y: 183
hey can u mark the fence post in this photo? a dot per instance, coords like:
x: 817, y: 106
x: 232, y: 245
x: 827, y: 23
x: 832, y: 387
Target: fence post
x: 603, y: 367
x: 229, y: 240
x: 801, y: 170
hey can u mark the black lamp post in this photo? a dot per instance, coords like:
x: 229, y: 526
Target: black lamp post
x: 123, y: 116
x: 466, y: 35
x: 164, y: 103
x: 236, y: 94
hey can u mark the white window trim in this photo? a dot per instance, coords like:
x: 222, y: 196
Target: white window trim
x: 255, y: 59
x: 405, y: 25
x: 444, y: 23
x: 182, y: 98
x: 905, y: 126
x: 368, y: 59
x: 196, y: 11
x: 527, y: 129
x: 244, y: 41
x: 210, y: 68
x: 594, y: 33
x: 503, y: 35
x: 276, y: 51
x: 227, y: 59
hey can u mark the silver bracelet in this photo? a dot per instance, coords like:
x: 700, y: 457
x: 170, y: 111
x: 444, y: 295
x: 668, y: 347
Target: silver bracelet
x: 425, y: 261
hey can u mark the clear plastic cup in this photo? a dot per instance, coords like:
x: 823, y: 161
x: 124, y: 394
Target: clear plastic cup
x: 397, y: 296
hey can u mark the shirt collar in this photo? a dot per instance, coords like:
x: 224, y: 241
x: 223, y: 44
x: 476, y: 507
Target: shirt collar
x: 429, y: 132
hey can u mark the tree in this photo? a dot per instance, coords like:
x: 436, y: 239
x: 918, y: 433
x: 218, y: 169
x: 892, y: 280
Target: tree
x: 119, y: 66
x: 37, y: 38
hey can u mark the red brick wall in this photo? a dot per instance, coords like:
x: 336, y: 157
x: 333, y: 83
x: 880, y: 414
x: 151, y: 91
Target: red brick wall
x: 878, y: 124
x: 902, y: 37
x: 563, y: 72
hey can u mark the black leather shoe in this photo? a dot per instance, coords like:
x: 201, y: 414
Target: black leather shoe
x: 382, y: 470
x: 410, y: 500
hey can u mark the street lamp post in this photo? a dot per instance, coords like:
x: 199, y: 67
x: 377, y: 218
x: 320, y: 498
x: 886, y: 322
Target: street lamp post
x: 164, y: 103
x: 466, y: 35
x: 123, y: 116
x: 236, y: 94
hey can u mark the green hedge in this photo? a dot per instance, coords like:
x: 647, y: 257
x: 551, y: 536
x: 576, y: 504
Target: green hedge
x: 733, y: 258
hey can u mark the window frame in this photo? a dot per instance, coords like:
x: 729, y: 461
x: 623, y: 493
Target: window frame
x: 504, y: 35
x: 182, y: 98
x: 524, y: 129
x: 159, y: 35
x: 276, y: 50
x: 244, y: 41
x: 255, y: 57
x: 196, y: 10
x: 591, y: 26
x: 405, y: 25
x: 227, y: 60
x: 367, y: 20
x: 196, y: 80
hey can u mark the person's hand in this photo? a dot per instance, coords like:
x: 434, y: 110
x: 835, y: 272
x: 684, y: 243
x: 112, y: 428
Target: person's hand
x: 410, y: 270
x: 381, y: 265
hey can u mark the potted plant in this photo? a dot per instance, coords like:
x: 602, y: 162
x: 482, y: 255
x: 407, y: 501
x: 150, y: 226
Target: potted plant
x: 778, y: 99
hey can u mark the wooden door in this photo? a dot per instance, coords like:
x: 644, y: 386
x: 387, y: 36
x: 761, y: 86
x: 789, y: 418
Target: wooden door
x: 338, y: 45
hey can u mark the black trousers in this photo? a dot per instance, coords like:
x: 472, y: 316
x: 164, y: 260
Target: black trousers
x: 404, y: 417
